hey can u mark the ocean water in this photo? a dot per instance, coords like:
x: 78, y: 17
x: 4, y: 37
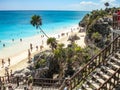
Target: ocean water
x: 16, y: 24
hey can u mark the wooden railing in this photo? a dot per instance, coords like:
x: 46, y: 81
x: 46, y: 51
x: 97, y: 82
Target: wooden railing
x: 40, y: 82
x: 79, y: 77
x: 47, y: 82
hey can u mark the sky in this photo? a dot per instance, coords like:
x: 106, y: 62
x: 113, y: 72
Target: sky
x: 84, y: 5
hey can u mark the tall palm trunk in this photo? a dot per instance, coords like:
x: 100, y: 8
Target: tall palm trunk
x: 43, y: 32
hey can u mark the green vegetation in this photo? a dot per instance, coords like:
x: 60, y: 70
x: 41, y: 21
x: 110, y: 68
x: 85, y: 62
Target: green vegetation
x: 52, y: 42
x: 64, y: 61
x: 97, y: 24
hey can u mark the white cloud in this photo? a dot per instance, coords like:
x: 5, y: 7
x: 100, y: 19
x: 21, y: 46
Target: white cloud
x: 85, y: 5
x: 88, y: 3
x: 110, y: 1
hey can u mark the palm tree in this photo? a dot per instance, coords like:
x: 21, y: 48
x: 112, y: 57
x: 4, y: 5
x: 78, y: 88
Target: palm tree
x: 52, y: 42
x: 36, y: 21
x: 106, y: 4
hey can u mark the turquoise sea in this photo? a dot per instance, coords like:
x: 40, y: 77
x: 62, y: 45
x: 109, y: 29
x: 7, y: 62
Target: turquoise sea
x: 16, y: 24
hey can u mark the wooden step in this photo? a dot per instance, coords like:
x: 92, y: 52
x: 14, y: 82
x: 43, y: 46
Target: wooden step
x: 110, y: 85
x: 103, y: 75
x: 110, y: 70
x: 115, y: 59
x: 118, y: 54
x: 93, y: 83
x: 86, y: 87
x: 107, y: 70
x: 98, y: 78
x: 113, y: 64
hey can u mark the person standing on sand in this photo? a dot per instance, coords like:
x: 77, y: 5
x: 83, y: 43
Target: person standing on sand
x: 7, y: 73
x: 8, y: 61
x: 3, y: 62
x: 42, y: 42
x: 41, y: 47
x: 29, y: 55
x: 17, y: 81
x: 36, y: 48
x: 30, y: 87
x: 31, y: 46
x: 20, y: 39
x: 58, y: 36
x: 11, y: 72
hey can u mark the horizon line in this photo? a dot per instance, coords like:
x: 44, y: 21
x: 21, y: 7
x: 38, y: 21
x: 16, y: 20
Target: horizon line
x: 41, y: 10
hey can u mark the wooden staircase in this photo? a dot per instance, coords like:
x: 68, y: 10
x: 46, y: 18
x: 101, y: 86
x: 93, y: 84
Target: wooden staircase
x: 101, y: 73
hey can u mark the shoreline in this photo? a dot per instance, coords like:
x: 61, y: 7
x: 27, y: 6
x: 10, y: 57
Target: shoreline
x: 19, y: 52
x: 26, y: 40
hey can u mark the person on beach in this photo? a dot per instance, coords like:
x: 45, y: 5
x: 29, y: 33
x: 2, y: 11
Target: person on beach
x: 3, y: 62
x: 31, y: 47
x: 30, y: 87
x: 17, y: 81
x: 13, y: 40
x: 3, y: 45
x: 42, y: 42
x: 20, y: 39
x: 67, y: 33
x: 0, y: 79
x: 7, y: 73
x: 8, y: 61
x: 29, y: 55
x: 41, y: 47
x: 36, y: 48
x: 58, y: 36
x: 10, y: 87
x: 11, y: 72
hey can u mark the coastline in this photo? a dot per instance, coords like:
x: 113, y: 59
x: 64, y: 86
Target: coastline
x: 18, y: 53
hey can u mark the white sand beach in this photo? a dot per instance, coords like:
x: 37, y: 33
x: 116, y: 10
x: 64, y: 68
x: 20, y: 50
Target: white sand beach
x: 18, y: 53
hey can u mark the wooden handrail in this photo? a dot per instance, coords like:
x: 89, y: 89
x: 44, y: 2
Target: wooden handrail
x: 94, y: 62
x: 47, y: 82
